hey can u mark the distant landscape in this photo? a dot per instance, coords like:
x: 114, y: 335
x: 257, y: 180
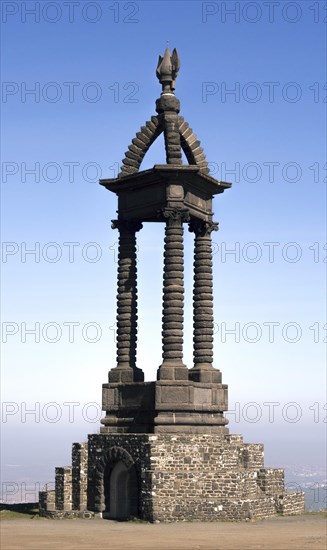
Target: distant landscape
x: 312, y: 481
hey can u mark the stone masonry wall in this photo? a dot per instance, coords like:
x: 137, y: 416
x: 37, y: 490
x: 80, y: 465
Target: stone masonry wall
x: 210, y: 478
x: 63, y: 484
x: 79, y: 476
x: 271, y: 480
x: 179, y: 477
x: 203, y: 477
x: 47, y: 501
x: 290, y: 504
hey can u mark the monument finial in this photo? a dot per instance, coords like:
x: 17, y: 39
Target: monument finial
x: 167, y: 69
x: 178, y: 135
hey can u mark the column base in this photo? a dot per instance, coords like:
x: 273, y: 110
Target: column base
x: 123, y: 374
x: 173, y: 370
x: 168, y: 406
x: 130, y: 407
x: 205, y: 372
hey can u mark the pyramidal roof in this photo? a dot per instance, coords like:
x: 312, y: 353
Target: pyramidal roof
x: 178, y: 135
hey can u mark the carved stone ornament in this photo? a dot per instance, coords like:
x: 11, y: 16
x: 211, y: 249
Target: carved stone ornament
x: 203, y: 228
x: 175, y: 214
x: 129, y: 226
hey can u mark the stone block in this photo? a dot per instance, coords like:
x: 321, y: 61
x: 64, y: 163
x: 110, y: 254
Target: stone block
x: 173, y: 394
x: 120, y: 376
x: 271, y: 480
x: 202, y: 396
x: 289, y: 503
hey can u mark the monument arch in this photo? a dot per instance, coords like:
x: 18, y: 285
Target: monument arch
x: 116, y: 483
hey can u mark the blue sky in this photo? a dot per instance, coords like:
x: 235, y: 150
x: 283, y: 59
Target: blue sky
x: 95, y: 85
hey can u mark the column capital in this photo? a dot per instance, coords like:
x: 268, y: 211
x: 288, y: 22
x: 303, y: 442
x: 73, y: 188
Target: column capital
x: 202, y: 228
x: 131, y: 226
x: 175, y: 214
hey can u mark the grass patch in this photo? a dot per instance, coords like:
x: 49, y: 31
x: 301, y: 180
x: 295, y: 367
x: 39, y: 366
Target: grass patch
x: 321, y: 513
x: 29, y: 510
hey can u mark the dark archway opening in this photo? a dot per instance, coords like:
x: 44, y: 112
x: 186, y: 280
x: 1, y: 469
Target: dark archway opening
x: 120, y: 491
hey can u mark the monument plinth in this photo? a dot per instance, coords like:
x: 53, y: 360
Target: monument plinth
x: 164, y: 451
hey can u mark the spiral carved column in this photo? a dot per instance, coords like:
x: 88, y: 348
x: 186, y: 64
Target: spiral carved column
x: 203, y: 303
x: 172, y: 367
x: 172, y: 137
x: 126, y: 370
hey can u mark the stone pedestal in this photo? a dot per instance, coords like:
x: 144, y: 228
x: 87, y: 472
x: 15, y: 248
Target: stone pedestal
x: 165, y: 406
x: 171, y: 477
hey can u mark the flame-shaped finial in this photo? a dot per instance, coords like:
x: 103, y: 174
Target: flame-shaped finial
x: 167, y: 69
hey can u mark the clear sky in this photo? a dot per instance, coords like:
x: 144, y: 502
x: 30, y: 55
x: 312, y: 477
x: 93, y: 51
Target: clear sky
x: 252, y: 86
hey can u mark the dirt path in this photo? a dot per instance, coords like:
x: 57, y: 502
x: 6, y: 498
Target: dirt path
x: 292, y: 533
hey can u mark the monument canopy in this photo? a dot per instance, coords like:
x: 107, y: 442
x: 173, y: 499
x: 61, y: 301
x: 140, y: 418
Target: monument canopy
x: 144, y: 194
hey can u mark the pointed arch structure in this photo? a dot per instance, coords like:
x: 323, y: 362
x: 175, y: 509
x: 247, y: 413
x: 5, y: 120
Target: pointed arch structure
x: 116, y: 485
x: 140, y: 145
x: 148, y: 134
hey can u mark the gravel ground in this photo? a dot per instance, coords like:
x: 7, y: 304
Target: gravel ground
x: 282, y: 533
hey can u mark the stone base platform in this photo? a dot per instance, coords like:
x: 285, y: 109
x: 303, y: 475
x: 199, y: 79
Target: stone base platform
x: 169, y: 477
x: 166, y: 406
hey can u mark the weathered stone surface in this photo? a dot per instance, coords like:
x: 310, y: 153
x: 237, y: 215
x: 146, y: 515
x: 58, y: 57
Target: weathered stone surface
x: 128, y: 170
x: 63, y: 490
x: 173, y: 298
x: 143, y: 137
x: 202, y: 300
x: 148, y: 130
x: 79, y: 476
x: 184, y: 477
x: 140, y: 144
x: 186, y: 131
x: 47, y: 502
x: 131, y: 155
x: 136, y: 150
x: 126, y: 370
x: 130, y: 162
x: 167, y: 103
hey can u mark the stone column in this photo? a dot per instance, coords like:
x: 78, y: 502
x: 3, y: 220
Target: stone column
x: 203, y: 304
x: 167, y: 107
x: 172, y: 138
x: 126, y: 370
x: 172, y: 367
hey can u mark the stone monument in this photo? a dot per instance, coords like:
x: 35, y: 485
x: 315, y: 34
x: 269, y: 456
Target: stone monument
x: 164, y: 451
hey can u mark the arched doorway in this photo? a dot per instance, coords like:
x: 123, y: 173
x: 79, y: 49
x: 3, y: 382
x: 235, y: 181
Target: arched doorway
x: 120, y: 491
